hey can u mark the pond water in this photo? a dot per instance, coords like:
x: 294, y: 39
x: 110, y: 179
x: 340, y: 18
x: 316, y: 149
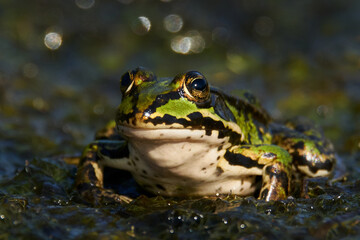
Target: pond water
x: 60, y: 64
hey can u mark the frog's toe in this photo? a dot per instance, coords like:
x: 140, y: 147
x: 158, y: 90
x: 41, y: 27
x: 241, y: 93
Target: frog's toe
x: 97, y: 196
x: 122, y: 199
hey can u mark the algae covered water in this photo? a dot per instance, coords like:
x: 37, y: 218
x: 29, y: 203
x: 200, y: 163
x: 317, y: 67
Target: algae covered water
x: 60, y: 65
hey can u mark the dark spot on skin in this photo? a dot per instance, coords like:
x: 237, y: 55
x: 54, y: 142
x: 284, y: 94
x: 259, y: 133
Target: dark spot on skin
x: 269, y: 155
x: 241, y: 160
x: 161, y: 187
x: 203, y: 169
x: 218, y: 158
x: 129, y: 163
x: 136, y: 159
x: 113, y: 150
x: 260, y: 135
x: 250, y: 97
x: 220, y: 107
x: 188, y: 137
x: 299, y: 145
x: 249, y: 138
x: 220, y: 147
x: 144, y: 172
x: 182, y: 147
x: 264, y: 194
x: 133, y: 163
x: 90, y: 172
x: 219, y: 171
x: 189, y: 149
x: 314, y: 166
x: 242, y: 181
x: 201, y: 136
x: 221, y: 134
x: 161, y: 134
x: 257, y: 183
x: 196, y: 120
x: 241, y: 189
x: 211, y: 164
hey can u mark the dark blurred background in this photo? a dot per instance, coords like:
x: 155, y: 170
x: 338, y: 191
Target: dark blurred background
x: 60, y: 63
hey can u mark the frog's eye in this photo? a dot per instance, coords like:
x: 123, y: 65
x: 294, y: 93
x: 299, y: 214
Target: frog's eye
x: 196, y: 86
x: 126, y: 82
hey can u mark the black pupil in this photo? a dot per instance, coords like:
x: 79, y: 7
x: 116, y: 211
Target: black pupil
x: 199, y: 84
x: 125, y: 80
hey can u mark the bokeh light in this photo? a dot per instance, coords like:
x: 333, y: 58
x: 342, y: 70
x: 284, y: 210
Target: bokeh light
x: 236, y: 62
x: 141, y: 25
x: 181, y: 44
x: 53, y: 40
x: 173, y: 23
x: 197, y: 41
x: 85, y: 4
x: 192, y: 42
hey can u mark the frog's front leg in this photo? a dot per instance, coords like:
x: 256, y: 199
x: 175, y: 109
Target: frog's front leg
x: 270, y: 161
x: 89, y: 179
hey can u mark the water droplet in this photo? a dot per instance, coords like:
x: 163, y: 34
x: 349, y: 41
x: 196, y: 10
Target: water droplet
x: 85, y: 4
x: 173, y: 23
x: 53, y: 40
x: 141, y: 25
x: 2, y: 216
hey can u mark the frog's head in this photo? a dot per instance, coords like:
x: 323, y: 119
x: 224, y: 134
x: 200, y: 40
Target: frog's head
x: 184, y: 102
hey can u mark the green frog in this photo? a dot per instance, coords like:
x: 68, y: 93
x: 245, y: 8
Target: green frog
x: 181, y: 137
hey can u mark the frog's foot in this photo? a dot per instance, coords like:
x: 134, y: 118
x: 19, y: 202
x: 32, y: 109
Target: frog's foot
x: 89, y: 178
x: 101, y: 196
x: 276, y: 182
x: 270, y: 161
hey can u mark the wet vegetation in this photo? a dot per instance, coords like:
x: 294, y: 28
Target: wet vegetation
x: 300, y: 58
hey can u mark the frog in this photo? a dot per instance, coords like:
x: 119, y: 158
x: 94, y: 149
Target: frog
x: 181, y: 137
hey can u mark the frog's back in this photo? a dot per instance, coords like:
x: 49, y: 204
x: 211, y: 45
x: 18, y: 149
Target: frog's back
x: 248, y: 114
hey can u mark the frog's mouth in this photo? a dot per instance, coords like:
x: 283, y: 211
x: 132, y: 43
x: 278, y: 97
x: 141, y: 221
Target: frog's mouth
x: 169, y: 134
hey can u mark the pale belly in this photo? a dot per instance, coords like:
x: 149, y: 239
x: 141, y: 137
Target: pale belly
x: 189, y: 167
